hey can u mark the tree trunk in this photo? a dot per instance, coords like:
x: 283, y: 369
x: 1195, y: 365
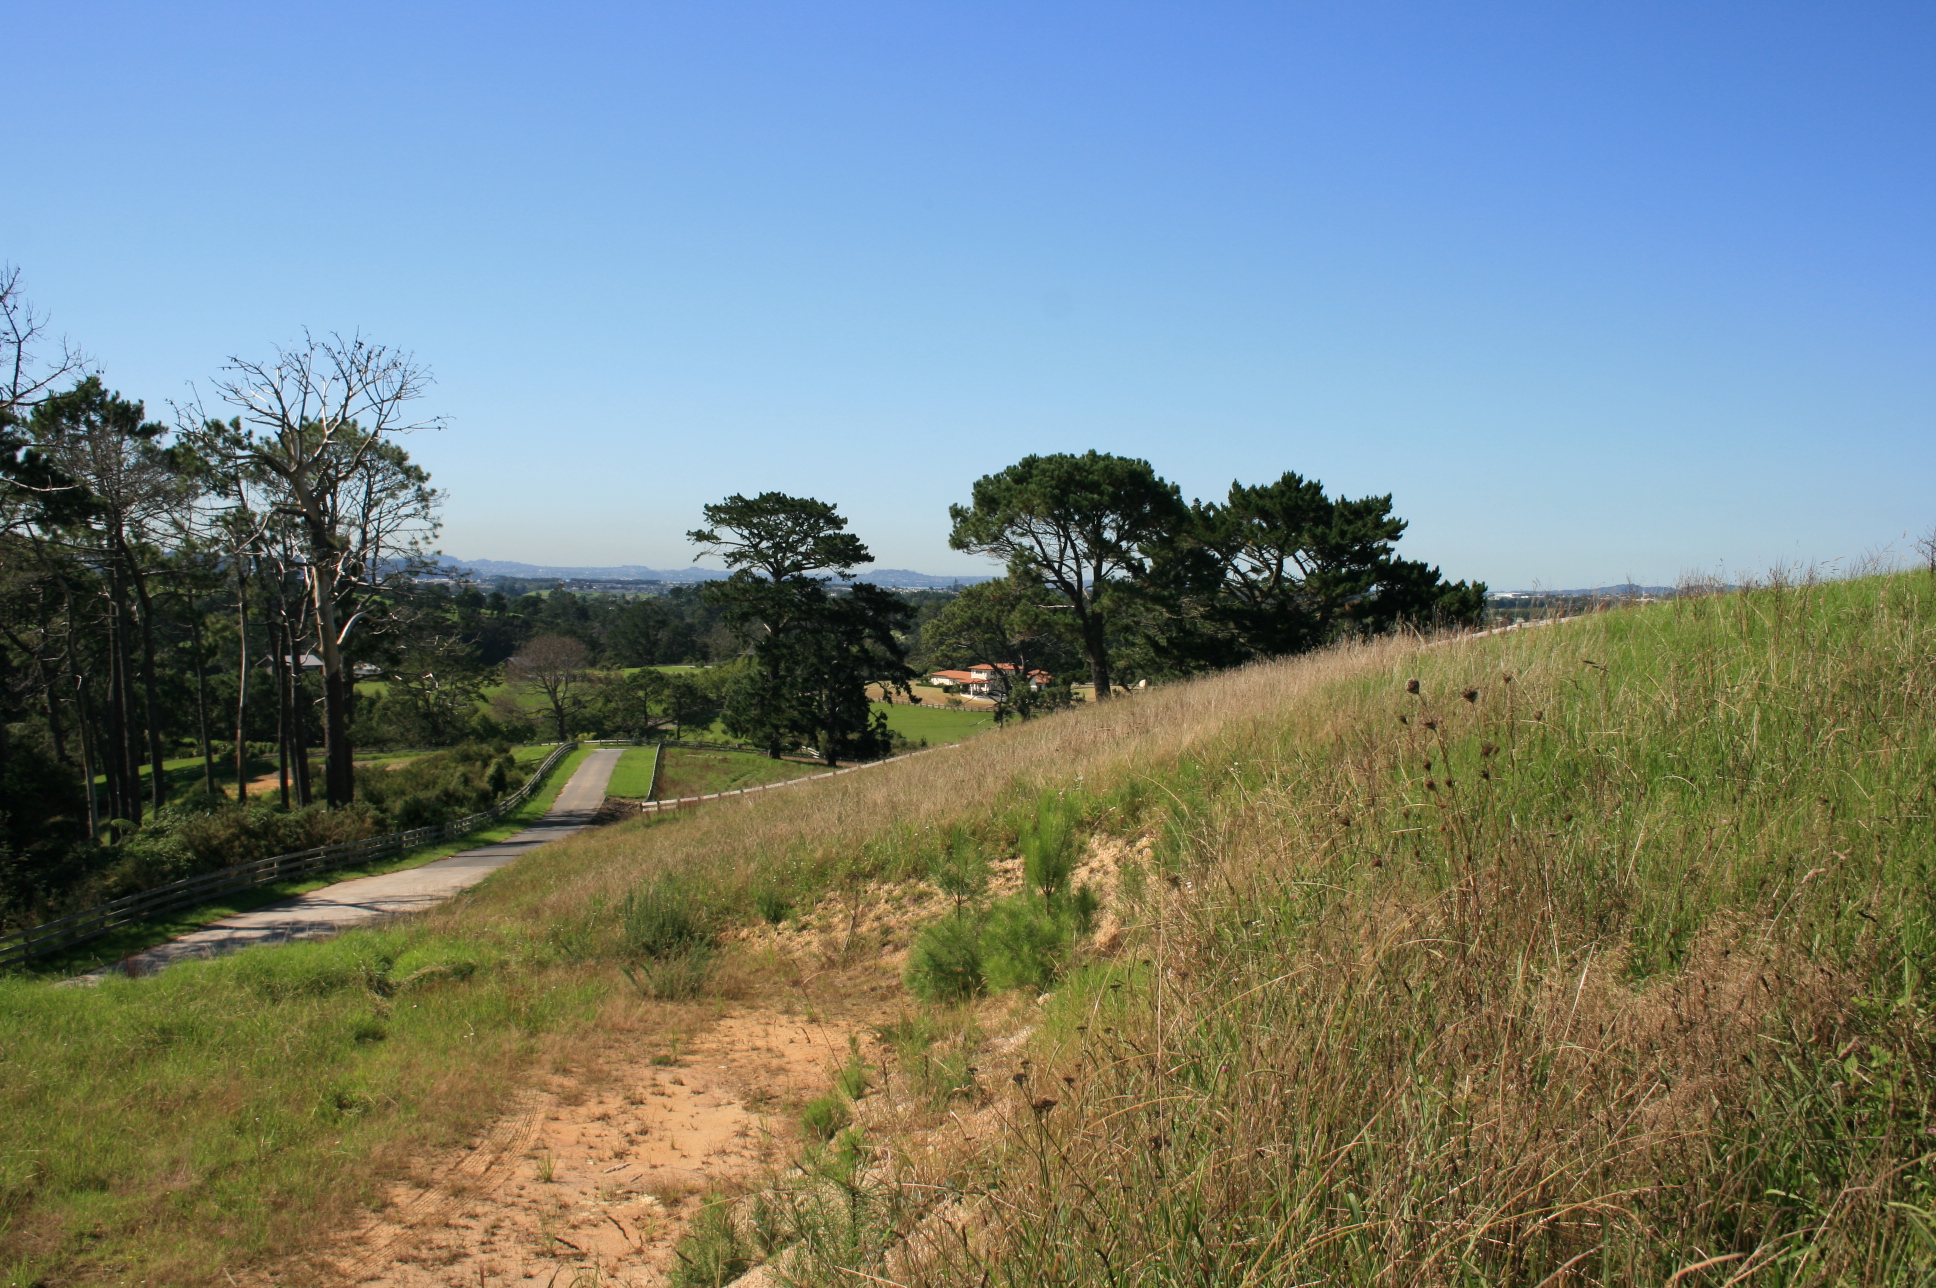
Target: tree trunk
x: 339, y: 768
x: 201, y: 698
x: 86, y: 734
x: 277, y: 626
x: 1096, y: 645
x: 124, y: 739
x: 83, y: 713
x: 339, y: 771
x: 48, y: 682
x: 241, y: 674
x: 159, y: 784
x: 299, y: 730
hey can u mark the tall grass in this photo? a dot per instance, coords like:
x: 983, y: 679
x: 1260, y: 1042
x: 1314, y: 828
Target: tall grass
x: 1630, y: 977
x: 220, y: 1115
x: 1601, y: 958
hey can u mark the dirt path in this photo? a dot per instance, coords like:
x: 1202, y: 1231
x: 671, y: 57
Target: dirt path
x: 335, y: 908
x: 596, y: 1171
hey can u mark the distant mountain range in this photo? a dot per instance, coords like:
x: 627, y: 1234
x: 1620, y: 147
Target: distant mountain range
x: 484, y: 569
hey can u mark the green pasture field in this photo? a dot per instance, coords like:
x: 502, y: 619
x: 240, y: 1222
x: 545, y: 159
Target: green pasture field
x: 936, y: 724
x: 689, y: 772
x: 184, y: 773
x: 632, y: 779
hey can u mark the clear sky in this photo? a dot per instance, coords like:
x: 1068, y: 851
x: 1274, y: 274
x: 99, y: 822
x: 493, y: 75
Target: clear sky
x: 1596, y: 290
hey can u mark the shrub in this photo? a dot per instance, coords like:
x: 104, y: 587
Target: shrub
x: 712, y: 1253
x: 661, y: 921
x: 824, y: 1117
x: 1049, y: 845
x: 677, y: 978
x: 960, y: 870
x: 944, y: 962
x: 851, y: 1080
x: 440, y: 787
x: 773, y: 904
x: 1024, y: 943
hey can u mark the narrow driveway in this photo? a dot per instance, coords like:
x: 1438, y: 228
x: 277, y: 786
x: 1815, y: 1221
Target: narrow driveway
x: 336, y: 908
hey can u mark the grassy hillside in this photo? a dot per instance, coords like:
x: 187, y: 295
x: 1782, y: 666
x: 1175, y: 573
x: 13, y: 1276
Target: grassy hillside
x: 1598, y: 959
x: 1601, y: 957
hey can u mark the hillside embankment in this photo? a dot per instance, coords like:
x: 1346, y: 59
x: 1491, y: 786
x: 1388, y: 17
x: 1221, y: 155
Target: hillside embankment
x: 1594, y: 956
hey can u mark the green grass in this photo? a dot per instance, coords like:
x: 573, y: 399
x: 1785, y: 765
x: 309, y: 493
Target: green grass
x: 243, y: 1079
x: 936, y: 724
x: 691, y: 772
x: 1603, y: 957
x: 126, y: 940
x: 632, y: 779
x: 185, y: 772
x: 1617, y: 970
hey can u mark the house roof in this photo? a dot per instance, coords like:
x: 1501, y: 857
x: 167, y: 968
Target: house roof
x: 982, y: 670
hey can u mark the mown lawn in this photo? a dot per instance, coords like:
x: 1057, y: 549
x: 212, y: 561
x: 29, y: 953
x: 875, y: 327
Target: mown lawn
x: 632, y: 779
x: 696, y: 773
x: 935, y: 724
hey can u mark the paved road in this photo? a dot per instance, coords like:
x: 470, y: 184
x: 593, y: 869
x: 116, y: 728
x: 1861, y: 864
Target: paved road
x: 325, y: 912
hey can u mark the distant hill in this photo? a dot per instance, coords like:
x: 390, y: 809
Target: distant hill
x: 1626, y: 590
x: 484, y: 569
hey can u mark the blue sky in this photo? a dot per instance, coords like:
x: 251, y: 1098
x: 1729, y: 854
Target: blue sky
x: 1595, y: 290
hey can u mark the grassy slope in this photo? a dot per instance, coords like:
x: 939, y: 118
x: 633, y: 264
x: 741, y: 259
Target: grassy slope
x: 120, y: 943
x: 1601, y: 959
x: 1640, y: 986
x: 185, y: 773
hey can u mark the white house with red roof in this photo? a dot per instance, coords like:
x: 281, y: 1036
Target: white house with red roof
x: 978, y: 680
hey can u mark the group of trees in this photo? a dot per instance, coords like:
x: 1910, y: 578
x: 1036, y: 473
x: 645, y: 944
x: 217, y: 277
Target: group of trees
x: 218, y: 584
x: 1107, y: 562
x: 184, y: 586
x: 1107, y: 565
x: 815, y: 647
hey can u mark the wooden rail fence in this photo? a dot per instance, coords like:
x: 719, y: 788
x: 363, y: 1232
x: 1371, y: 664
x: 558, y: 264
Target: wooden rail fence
x: 77, y: 928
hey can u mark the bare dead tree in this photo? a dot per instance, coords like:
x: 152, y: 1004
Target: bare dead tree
x: 26, y: 379
x: 315, y: 423
x: 554, y: 665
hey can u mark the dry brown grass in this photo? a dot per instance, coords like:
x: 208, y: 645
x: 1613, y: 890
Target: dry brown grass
x: 1614, y: 969
x: 1607, y: 973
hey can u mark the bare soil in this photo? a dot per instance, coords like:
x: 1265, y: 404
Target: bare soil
x: 598, y: 1169
x: 601, y: 1173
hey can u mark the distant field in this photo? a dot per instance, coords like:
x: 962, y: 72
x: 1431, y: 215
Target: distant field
x: 696, y: 773
x: 632, y: 779
x: 936, y: 724
x: 186, y: 772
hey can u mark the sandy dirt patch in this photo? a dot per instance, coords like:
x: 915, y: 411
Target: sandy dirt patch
x: 601, y: 1175
x: 597, y: 1171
